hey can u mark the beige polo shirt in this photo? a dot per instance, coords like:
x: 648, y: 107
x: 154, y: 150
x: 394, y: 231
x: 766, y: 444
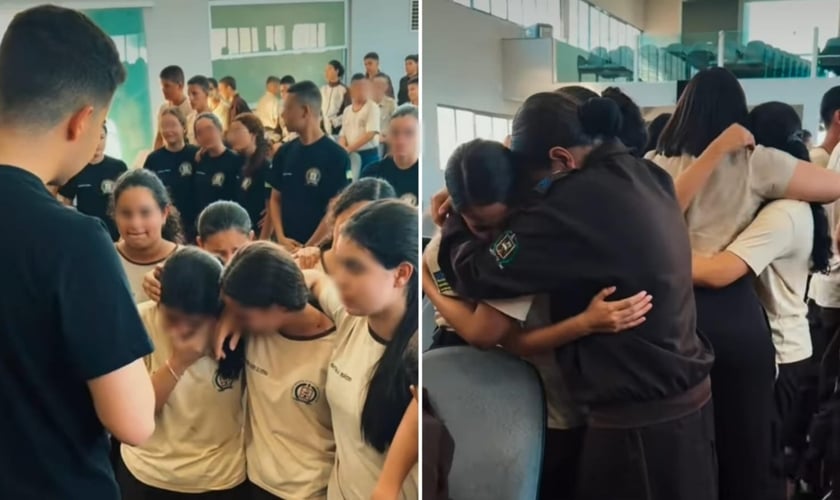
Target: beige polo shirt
x: 197, y: 445
x: 729, y: 200
x: 825, y: 289
x: 357, y: 123
x: 777, y: 247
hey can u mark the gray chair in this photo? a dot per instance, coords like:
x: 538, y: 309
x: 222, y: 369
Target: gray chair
x: 492, y: 403
x: 428, y: 332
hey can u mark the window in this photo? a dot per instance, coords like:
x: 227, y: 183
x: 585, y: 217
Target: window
x: 590, y: 28
x: 457, y: 126
x: 523, y: 12
x: 796, y: 33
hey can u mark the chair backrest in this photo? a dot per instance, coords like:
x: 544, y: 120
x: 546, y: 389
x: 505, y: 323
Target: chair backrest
x: 428, y: 324
x: 493, y: 405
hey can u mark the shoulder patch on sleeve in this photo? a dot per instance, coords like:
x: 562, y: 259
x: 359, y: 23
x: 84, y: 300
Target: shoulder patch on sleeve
x: 505, y: 248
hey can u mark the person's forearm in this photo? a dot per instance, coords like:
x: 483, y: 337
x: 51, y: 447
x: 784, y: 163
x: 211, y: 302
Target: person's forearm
x: 164, y: 383
x: 467, y: 320
x: 692, y: 179
x: 718, y: 271
x: 315, y: 281
x: 364, y: 139
x: 276, y: 216
x: 267, y: 227
x: 402, y: 455
x: 321, y: 232
x: 546, y: 338
x: 342, y: 141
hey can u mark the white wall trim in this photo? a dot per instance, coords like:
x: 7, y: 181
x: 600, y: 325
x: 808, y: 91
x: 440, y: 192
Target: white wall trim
x: 319, y: 50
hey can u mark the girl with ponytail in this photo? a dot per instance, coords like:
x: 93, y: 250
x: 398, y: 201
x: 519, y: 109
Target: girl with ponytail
x: 148, y: 223
x: 247, y: 137
x: 592, y: 216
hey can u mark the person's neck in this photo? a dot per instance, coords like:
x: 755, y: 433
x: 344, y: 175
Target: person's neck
x: 379, y: 100
x: 333, y: 83
x: 180, y: 100
x: 831, y: 140
x: 175, y: 147
x: 357, y: 105
x: 97, y: 161
x: 30, y: 152
x: 404, y: 162
x: 216, y: 150
x: 250, y: 150
x: 311, y: 134
x: 155, y: 252
x: 411, y: 75
x: 308, y: 322
x: 386, y: 322
x: 203, y: 109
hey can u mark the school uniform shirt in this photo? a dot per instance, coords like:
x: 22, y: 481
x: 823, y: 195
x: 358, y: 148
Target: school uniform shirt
x: 730, y: 198
x: 222, y: 111
x: 268, y: 110
x: 198, y: 443
x: 191, y: 118
x: 531, y: 312
x: 289, y: 442
x: 216, y: 178
x: 404, y: 180
x: 176, y: 169
x: 354, y: 124
x: 357, y: 464
x: 253, y: 192
x: 825, y: 289
x: 386, y: 109
x: 819, y: 156
x: 333, y: 101
x: 402, y: 95
x: 307, y: 177
x: 777, y: 248
x: 237, y: 107
x: 562, y: 242
x: 135, y: 272
x: 90, y: 190
x: 66, y: 317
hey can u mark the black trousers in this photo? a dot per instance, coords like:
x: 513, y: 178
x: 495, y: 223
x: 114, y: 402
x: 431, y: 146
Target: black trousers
x: 669, y: 461
x: 258, y: 493
x: 789, y: 403
x: 743, y: 378
x: 133, y: 489
x: 561, y: 458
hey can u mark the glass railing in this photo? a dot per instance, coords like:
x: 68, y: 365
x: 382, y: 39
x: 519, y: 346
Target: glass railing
x: 670, y: 58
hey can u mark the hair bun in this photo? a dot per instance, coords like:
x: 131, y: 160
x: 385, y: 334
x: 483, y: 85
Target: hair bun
x: 600, y: 117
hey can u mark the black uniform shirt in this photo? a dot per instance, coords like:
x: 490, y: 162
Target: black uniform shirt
x: 92, y: 188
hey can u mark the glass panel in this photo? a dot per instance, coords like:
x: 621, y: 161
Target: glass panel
x: 583, y: 26
x: 499, y: 8
x: 447, y: 140
x: 556, y: 17
x: 483, y: 126
x: 464, y: 126
x: 515, y: 11
x: 482, y: 5
x: 463, y: 2
x: 501, y: 129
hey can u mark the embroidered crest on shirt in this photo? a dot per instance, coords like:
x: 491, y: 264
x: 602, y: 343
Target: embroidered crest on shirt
x: 305, y: 392
x: 246, y: 183
x: 409, y: 198
x: 218, y: 179
x: 185, y: 169
x: 505, y: 248
x: 107, y: 186
x: 313, y: 176
x: 222, y: 383
x: 441, y: 283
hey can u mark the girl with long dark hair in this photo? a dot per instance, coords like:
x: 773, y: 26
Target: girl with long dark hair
x: 217, y: 172
x: 197, y: 449
x: 148, y: 223
x: 247, y: 137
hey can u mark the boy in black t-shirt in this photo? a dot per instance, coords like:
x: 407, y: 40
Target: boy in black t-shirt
x: 306, y: 173
x: 73, y: 342
x: 90, y: 190
x: 401, y: 169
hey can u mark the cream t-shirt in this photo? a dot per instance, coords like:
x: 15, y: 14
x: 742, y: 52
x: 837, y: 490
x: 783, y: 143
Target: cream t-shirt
x: 357, y: 464
x: 532, y: 312
x: 825, y: 289
x: 268, y: 110
x: 289, y: 441
x: 819, y: 156
x: 191, y: 118
x: 386, y: 109
x: 357, y: 123
x: 222, y: 111
x: 729, y: 200
x: 777, y: 247
x: 135, y: 272
x: 197, y: 445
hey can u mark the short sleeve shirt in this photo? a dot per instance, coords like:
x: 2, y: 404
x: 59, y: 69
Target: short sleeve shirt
x: 216, y: 178
x: 91, y: 190
x: 176, y: 169
x: 404, y: 181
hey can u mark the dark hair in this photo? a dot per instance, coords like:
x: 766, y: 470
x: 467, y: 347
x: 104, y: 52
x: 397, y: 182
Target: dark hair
x: 413, y: 57
x: 145, y: 178
x: 209, y: 116
x: 365, y: 189
x: 413, y: 81
x: 806, y: 134
x: 633, y: 132
x: 260, y: 157
x: 577, y: 92
x: 339, y: 68
x: 411, y: 361
x: 262, y: 275
x: 53, y: 62
x: 189, y: 282
x: 213, y: 81
x: 829, y: 105
x: 480, y: 173
x: 287, y: 80
x: 221, y: 216
x: 272, y: 79
x: 358, y: 77
x: 777, y: 125
x: 655, y: 130
x: 712, y: 101
x: 229, y: 81
x: 201, y: 81
x: 172, y: 74
x: 553, y: 119
x: 404, y: 110
x: 372, y: 55
x: 308, y: 94
x: 388, y: 230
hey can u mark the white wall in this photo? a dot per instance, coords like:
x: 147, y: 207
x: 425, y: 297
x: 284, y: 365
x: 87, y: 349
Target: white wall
x: 663, y: 17
x: 631, y: 11
x: 384, y: 27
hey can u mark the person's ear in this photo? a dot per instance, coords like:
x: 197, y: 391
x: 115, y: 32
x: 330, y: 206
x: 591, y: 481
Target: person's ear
x: 836, y: 117
x: 561, y: 158
x: 402, y: 275
x: 251, y: 235
x: 79, y: 123
x: 413, y: 389
x: 198, y: 242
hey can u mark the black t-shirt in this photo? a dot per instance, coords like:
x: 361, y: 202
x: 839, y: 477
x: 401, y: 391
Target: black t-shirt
x: 175, y: 170
x: 308, y: 177
x: 253, y: 192
x: 92, y: 188
x: 216, y: 179
x: 405, y: 181
x: 66, y: 317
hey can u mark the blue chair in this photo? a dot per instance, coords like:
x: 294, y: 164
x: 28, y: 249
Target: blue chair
x: 492, y: 403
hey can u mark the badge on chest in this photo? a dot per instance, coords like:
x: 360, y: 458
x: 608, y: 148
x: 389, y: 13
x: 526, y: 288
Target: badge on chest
x: 305, y: 392
x: 107, y: 186
x: 313, y: 177
x: 185, y: 169
x: 218, y: 180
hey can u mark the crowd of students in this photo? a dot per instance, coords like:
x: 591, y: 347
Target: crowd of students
x: 221, y: 367
x: 657, y: 280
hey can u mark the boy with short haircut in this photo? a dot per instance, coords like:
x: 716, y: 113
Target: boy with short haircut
x: 414, y: 92
x: 217, y: 104
x: 285, y: 83
x: 360, y: 122
x: 372, y: 71
x: 268, y: 107
x: 412, y: 72
x: 198, y: 88
x: 387, y: 105
x: 172, y: 85
x: 227, y: 88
